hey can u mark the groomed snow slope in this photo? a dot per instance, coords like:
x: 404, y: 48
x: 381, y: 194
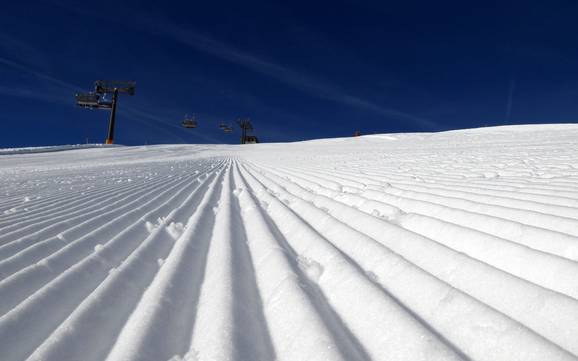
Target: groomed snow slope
x: 442, y: 246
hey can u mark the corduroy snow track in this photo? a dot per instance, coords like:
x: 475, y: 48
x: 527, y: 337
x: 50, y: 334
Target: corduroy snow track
x: 459, y: 245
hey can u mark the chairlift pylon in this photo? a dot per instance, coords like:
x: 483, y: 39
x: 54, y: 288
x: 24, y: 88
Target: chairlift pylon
x: 97, y: 99
x: 246, y: 128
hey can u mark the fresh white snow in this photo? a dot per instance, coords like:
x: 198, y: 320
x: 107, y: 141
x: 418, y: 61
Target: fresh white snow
x: 458, y: 245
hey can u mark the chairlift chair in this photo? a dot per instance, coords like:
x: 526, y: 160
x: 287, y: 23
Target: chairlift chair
x: 225, y: 127
x: 104, y: 103
x: 189, y: 122
x: 92, y: 101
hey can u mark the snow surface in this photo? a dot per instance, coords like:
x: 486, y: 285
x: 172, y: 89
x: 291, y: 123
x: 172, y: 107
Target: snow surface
x: 59, y: 148
x: 460, y: 245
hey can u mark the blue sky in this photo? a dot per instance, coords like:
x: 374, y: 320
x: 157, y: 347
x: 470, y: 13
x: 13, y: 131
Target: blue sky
x: 299, y: 70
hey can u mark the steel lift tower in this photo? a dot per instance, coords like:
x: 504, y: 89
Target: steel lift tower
x: 97, y: 99
x: 246, y: 128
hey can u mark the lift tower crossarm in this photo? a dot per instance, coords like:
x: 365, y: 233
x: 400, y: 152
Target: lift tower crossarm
x: 110, y: 86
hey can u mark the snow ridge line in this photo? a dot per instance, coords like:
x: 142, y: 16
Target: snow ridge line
x: 545, y: 240
x: 353, y: 249
x: 54, y: 200
x: 319, y: 254
x: 120, y: 291
x: 566, y: 208
x: 100, y: 181
x: 319, y: 330
x: 89, y: 236
x: 548, y: 217
x: 86, y: 275
x: 549, y: 271
x: 169, y: 303
x: 435, y: 177
x: 10, y: 249
x: 111, y: 201
x: 450, y: 270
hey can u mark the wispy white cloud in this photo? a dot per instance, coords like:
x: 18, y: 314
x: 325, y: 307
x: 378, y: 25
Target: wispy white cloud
x: 50, y: 89
x: 283, y: 74
x: 27, y: 93
x: 16, y: 48
x: 40, y: 75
